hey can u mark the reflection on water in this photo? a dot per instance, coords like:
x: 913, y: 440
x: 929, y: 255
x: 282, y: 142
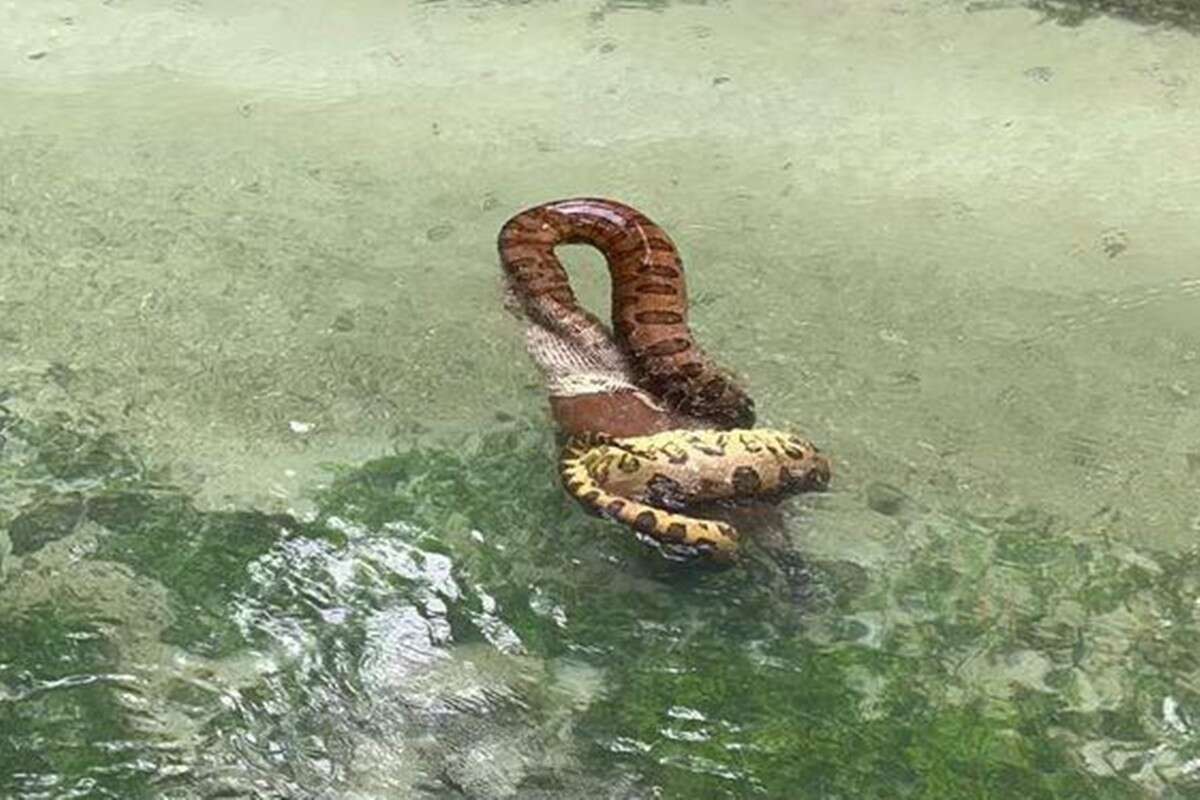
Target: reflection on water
x: 278, y: 510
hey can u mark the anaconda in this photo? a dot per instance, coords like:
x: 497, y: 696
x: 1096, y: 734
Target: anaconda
x: 678, y: 433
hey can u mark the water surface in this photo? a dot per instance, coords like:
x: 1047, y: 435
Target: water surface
x: 277, y: 487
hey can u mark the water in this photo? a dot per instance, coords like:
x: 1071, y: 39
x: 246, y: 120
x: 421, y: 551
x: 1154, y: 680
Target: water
x: 278, y: 513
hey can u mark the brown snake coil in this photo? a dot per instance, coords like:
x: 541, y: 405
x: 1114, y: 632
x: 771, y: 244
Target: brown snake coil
x: 649, y: 299
x: 653, y: 424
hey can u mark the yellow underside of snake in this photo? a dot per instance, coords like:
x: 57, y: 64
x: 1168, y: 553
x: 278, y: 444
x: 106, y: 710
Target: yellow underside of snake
x: 643, y: 481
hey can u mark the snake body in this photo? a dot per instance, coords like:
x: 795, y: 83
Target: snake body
x: 642, y: 457
x: 649, y: 299
x: 643, y: 481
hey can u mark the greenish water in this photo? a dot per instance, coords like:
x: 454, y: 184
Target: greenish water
x: 278, y: 509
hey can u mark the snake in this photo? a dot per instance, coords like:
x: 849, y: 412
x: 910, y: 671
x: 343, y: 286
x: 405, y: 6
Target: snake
x: 683, y: 435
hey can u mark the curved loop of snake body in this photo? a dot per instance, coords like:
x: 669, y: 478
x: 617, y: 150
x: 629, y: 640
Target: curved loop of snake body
x: 699, y: 444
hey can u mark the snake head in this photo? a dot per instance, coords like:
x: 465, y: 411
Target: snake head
x: 806, y: 468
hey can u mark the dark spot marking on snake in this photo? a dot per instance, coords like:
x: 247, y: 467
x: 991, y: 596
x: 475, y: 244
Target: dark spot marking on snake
x: 713, y: 449
x: 667, y: 347
x: 676, y: 531
x: 675, y: 454
x: 574, y: 486
x: 658, y: 317
x: 521, y: 264
x: 646, y: 522
x: 790, y: 480
x: 751, y: 444
x: 656, y: 288
x: 746, y: 480
x: 591, y: 497
x: 614, y: 508
x: 658, y: 270
x: 649, y: 244
x: 620, y: 255
x: 665, y: 491
x: 802, y: 444
x: 559, y: 291
x: 793, y: 451
x: 627, y: 463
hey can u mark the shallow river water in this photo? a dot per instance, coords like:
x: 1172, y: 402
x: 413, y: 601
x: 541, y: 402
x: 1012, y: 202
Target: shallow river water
x: 279, y: 514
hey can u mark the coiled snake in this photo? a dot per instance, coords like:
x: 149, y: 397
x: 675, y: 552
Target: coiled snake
x: 653, y: 426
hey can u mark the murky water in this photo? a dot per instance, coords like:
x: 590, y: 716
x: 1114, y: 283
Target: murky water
x: 278, y: 511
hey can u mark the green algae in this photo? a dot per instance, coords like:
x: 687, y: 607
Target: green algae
x: 58, y: 708
x: 988, y: 660
x: 1176, y: 14
x: 1183, y: 14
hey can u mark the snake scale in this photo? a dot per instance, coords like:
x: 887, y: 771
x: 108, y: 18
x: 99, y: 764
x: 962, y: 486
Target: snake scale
x: 682, y: 435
